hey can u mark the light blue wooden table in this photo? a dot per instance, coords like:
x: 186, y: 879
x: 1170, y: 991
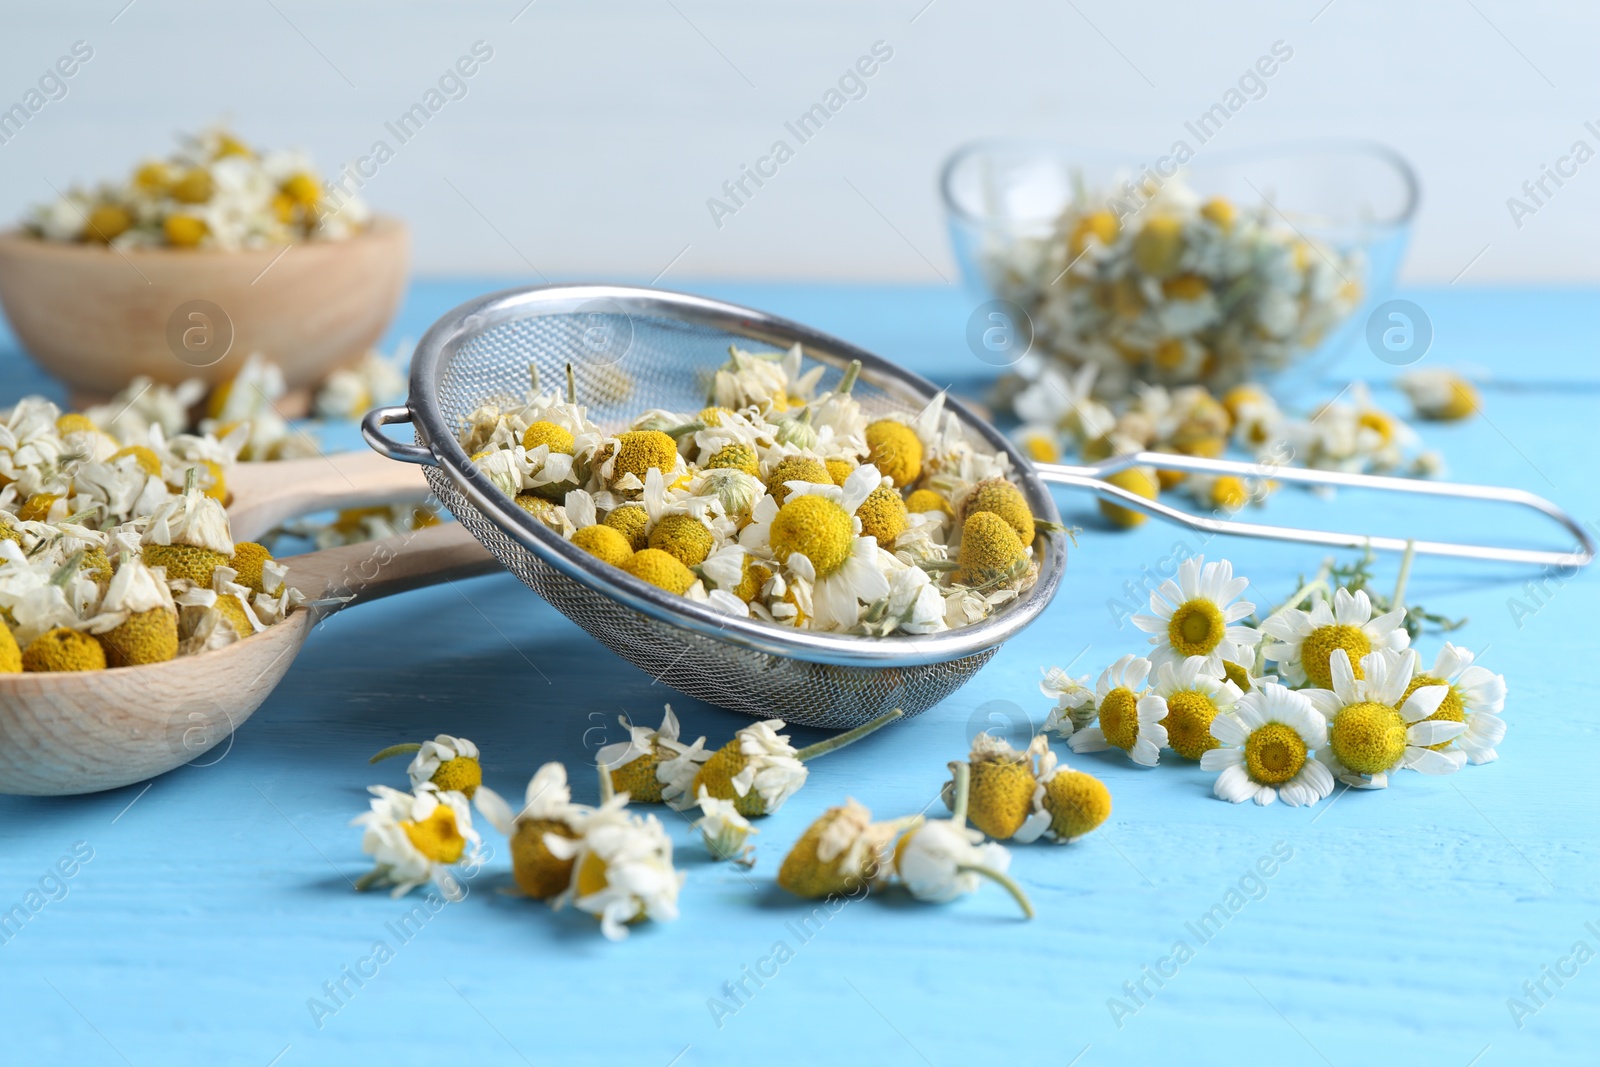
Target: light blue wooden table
x: 216, y: 910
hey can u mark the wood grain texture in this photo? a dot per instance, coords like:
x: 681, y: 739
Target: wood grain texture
x: 96, y: 318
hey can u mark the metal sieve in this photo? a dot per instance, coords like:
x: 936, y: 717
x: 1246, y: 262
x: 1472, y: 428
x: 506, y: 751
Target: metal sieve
x: 633, y: 349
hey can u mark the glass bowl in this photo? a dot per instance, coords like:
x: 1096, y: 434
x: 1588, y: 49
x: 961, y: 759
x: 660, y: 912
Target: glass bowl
x: 1227, y: 267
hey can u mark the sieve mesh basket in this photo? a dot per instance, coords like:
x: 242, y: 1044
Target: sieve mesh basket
x: 632, y: 350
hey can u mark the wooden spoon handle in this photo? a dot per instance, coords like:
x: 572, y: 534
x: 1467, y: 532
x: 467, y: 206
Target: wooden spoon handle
x: 354, y: 574
x: 265, y: 494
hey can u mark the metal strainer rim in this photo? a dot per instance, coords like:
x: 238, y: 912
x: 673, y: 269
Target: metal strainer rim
x: 439, y: 345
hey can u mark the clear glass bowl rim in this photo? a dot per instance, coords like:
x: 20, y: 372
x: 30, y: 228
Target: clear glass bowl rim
x: 1354, y: 146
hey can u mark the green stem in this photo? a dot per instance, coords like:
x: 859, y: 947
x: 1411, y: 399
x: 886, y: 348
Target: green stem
x: 822, y: 748
x: 370, y: 879
x: 572, y: 386
x: 68, y: 568
x: 1405, y: 576
x: 396, y: 750
x: 191, y: 479
x: 848, y: 382
x: 1005, y: 880
x: 958, y: 807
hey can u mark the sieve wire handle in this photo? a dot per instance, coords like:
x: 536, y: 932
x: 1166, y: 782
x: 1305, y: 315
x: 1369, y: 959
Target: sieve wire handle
x: 1093, y: 478
x: 372, y: 424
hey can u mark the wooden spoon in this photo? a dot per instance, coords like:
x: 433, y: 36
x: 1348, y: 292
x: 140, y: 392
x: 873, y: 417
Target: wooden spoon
x: 265, y: 494
x: 85, y: 731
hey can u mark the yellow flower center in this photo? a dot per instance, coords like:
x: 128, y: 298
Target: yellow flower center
x: 1001, y: 796
x: 1077, y: 803
x: 818, y: 529
x: 1368, y: 737
x: 1119, y: 718
x: 1319, y: 646
x: 462, y: 774
x: 1451, y: 709
x: 1197, y: 627
x: 538, y: 872
x: 1274, y: 753
x: 1237, y: 675
x: 437, y: 837
x: 1188, y: 723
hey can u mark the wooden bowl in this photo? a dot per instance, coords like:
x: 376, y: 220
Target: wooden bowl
x: 96, y: 317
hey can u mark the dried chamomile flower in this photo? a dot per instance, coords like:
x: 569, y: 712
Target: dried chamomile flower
x: 1002, y: 497
x: 653, y: 766
x: 1066, y: 804
x: 1304, y: 642
x: 990, y: 553
x: 1002, y: 784
x: 188, y: 536
x: 841, y: 852
x: 1375, y: 728
x: 1075, y: 702
x: 938, y: 860
x: 63, y: 649
x: 1476, y: 697
x: 415, y: 838
x: 1193, y: 695
x: 1266, y: 747
x: 1194, y: 616
x: 725, y: 831
x: 450, y: 763
x: 547, y: 814
x: 1440, y: 394
x: 622, y: 867
x: 138, y: 621
x: 895, y: 450
x: 1129, y: 717
x: 759, y: 769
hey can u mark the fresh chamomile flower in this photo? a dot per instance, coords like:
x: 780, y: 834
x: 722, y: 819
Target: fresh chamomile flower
x: 449, y: 763
x: 759, y: 769
x: 939, y: 860
x: 818, y: 523
x: 1266, y: 747
x: 1375, y: 728
x: 1194, y: 695
x: 1193, y: 616
x: 622, y: 867
x: 1075, y: 702
x: 1304, y: 641
x: 1066, y: 804
x: 653, y: 766
x: 1129, y: 718
x: 724, y: 830
x: 842, y: 851
x: 1476, y: 697
x: 547, y: 813
x: 415, y: 838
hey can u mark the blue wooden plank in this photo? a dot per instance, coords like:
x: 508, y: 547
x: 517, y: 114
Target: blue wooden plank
x: 215, y: 914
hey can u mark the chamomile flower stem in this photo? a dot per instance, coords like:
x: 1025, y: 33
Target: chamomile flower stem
x: 572, y: 386
x: 1006, y: 881
x: 958, y: 805
x: 68, y: 568
x: 191, y: 479
x: 1405, y: 576
x: 608, y: 788
x: 409, y: 749
x: 370, y: 879
x: 848, y: 382
x: 822, y: 748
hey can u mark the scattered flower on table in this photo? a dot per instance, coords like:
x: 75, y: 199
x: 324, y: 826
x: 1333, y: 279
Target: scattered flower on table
x: 547, y: 815
x: 1002, y: 786
x: 1075, y: 702
x: 1476, y: 696
x: 1196, y: 616
x: 415, y: 838
x: 1067, y: 804
x: 725, y: 831
x: 449, y: 763
x: 842, y: 853
x: 1379, y: 723
x: 1266, y: 745
x: 622, y: 867
x: 1128, y: 717
x: 1440, y: 394
x: 653, y: 766
x: 759, y: 769
x: 1304, y: 642
x: 939, y: 860
x: 1194, y: 693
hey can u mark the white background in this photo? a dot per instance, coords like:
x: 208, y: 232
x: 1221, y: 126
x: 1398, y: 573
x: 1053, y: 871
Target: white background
x: 588, y: 145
